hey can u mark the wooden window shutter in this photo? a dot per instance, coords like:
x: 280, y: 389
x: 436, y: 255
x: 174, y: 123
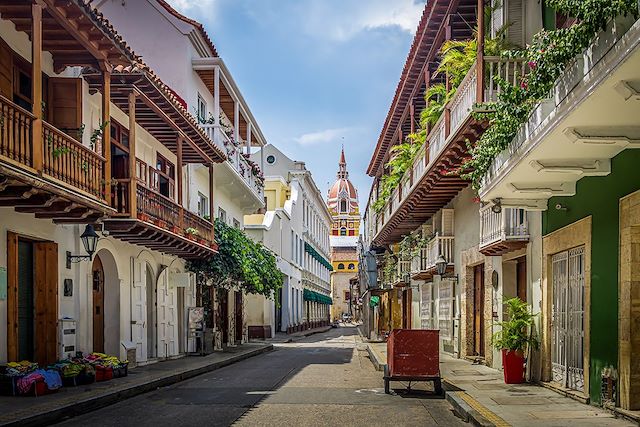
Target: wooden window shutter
x: 6, y: 71
x: 516, y: 22
x: 65, y: 104
x: 12, y: 296
x: 46, y: 302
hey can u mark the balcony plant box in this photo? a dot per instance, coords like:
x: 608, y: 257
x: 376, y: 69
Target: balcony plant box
x: 174, y: 229
x: 160, y: 223
x: 143, y: 217
x: 514, y: 338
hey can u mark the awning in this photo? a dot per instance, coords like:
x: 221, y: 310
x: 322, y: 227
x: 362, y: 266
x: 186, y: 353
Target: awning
x: 309, y: 295
x: 311, y: 251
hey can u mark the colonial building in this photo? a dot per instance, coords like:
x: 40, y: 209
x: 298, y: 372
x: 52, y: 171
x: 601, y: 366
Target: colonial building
x: 554, y: 221
x: 190, y: 64
x: 94, y: 220
x: 345, y: 229
x: 288, y: 218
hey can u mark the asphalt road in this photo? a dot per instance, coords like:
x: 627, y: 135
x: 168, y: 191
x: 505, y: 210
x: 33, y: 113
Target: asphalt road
x: 323, y: 380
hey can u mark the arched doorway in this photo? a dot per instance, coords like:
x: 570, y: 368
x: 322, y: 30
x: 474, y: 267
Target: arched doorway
x: 106, y: 304
x: 97, y: 283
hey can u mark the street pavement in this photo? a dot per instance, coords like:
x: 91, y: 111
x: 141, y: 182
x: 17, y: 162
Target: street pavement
x: 322, y: 380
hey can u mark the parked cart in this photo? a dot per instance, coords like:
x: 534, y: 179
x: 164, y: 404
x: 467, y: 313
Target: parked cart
x: 413, y: 355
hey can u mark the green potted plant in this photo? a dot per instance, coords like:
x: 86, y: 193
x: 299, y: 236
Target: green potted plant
x: 513, y: 338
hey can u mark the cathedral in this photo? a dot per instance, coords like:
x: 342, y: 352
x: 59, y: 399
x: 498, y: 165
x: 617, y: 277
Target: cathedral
x: 345, y: 229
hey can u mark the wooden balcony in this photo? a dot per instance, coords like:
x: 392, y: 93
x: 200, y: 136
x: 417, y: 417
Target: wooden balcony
x: 433, y: 179
x: 159, y: 223
x: 402, y: 274
x: 423, y: 266
x: 504, y: 231
x: 47, y: 172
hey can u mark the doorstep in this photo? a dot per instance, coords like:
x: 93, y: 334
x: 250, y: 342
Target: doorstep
x: 633, y: 416
x: 73, y: 401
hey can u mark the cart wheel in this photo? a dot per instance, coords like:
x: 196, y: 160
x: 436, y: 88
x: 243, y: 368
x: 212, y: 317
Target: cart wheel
x: 437, y: 386
x: 387, y: 389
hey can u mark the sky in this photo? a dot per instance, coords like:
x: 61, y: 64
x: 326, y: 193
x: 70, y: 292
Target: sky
x: 316, y: 73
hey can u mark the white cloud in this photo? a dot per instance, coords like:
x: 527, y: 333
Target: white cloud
x: 186, y: 6
x: 341, y: 20
x: 323, y: 136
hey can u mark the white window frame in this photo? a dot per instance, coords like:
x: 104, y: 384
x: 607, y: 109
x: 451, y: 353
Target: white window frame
x: 202, y: 108
x: 203, y: 205
x: 222, y: 215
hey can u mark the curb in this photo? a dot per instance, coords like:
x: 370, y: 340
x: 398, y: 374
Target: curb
x: 109, y: 398
x: 462, y: 408
x: 374, y: 359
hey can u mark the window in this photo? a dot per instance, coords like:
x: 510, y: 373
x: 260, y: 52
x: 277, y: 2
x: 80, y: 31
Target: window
x: 203, y: 205
x: 222, y: 215
x: 271, y: 159
x: 236, y: 224
x: 352, y: 266
x: 343, y: 206
x: 343, y: 231
x: 163, y: 181
x: 341, y: 266
x: 347, y: 295
x: 202, y: 109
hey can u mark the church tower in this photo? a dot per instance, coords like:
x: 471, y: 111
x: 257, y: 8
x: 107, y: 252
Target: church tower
x: 343, y: 203
x: 345, y: 229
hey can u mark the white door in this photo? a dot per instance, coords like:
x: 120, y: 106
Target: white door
x: 139, y: 308
x: 162, y: 307
x: 172, y: 319
x: 568, y: 318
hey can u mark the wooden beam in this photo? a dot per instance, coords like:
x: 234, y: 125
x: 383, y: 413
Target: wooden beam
x: 480, y: 53
x: 133, y: 183
x: 36, y: 86
x: 106, y: 134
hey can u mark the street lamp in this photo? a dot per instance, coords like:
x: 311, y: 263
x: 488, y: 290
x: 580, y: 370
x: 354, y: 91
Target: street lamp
x: 90, y: 241
x: 441, y: 269
x: 497, y: 206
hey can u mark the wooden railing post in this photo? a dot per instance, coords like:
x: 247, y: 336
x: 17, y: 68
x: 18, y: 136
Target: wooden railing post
x: 36, y: 86
x: 211, y: 206
x: 106, y: 134
x: 133, y: 181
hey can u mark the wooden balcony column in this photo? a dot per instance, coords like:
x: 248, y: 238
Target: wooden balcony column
x: 179, y: 165
x: 133, y: 182
x: 427, y: 84
x: 36, y: 85
x: 211, y: 184
x: 412, y: 113
x: 106, y: 134
x: 480, y: 53
x: 447, y: 109
x: 216, y: 95
x: 236, y: 121
x: 248, y: 141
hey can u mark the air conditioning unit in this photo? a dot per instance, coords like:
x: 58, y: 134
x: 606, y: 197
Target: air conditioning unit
x: 67, y: 337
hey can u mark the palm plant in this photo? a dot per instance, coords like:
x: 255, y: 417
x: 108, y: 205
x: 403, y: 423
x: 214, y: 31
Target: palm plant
x: 514, y: 333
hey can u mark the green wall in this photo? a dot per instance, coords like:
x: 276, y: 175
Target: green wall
x: 599, y: 197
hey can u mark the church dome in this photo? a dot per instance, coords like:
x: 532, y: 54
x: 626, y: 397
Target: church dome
x: 343, y: 196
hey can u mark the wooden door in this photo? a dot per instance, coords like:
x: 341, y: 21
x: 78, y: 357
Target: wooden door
x: 521, y: 278
x: 46, y: 302
x: 97, y: 281
x: 65, y: 105
x: 223, y: 316
x: 478, y: 310
x: 6, y: 70
x: 162, y: 313
x: 238, y: 316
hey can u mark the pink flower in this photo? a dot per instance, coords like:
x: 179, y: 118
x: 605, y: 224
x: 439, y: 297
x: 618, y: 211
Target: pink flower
x: 532, y: 64
x: 523, y: 85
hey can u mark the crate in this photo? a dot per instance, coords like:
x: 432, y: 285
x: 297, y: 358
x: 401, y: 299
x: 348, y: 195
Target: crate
x: 8, y: 385
x: 103, y: 373
x: 121, y: 371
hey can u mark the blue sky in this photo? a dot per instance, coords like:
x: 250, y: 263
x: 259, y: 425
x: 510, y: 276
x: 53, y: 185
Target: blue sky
x: 316, y: 73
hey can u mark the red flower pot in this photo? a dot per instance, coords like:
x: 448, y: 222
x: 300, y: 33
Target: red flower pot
x: 143, y: 217
x: 513, y: 365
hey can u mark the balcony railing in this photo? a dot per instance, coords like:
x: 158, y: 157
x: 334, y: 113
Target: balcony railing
x: 63, y: 158
x: 425, y: 261
x: 508, y: 224
x: 460, y: 107
x: 235, y: 158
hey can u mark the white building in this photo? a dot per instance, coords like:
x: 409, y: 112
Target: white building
x: 182, y: 53
x: 291, y: 219
x: 61, y: 172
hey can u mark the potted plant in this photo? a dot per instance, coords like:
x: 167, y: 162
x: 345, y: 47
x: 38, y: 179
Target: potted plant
x: 191, y: 233
x: 513, y: 338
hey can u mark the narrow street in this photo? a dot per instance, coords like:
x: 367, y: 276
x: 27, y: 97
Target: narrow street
x: 324, y: 379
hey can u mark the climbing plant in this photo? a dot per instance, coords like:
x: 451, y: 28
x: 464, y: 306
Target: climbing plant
x: 239, y: 262
x: 547, y: 57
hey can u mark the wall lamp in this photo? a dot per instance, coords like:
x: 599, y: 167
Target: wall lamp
x: 90, y: 241
x: 441, y: 269
x: 496, y: 208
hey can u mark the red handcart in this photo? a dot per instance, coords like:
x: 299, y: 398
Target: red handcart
x: 413, y: 355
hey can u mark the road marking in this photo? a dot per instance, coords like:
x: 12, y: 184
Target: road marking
x: 262, y: 392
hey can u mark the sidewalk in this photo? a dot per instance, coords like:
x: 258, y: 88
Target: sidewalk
x: 479, y: 394
x: 71, y: 401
